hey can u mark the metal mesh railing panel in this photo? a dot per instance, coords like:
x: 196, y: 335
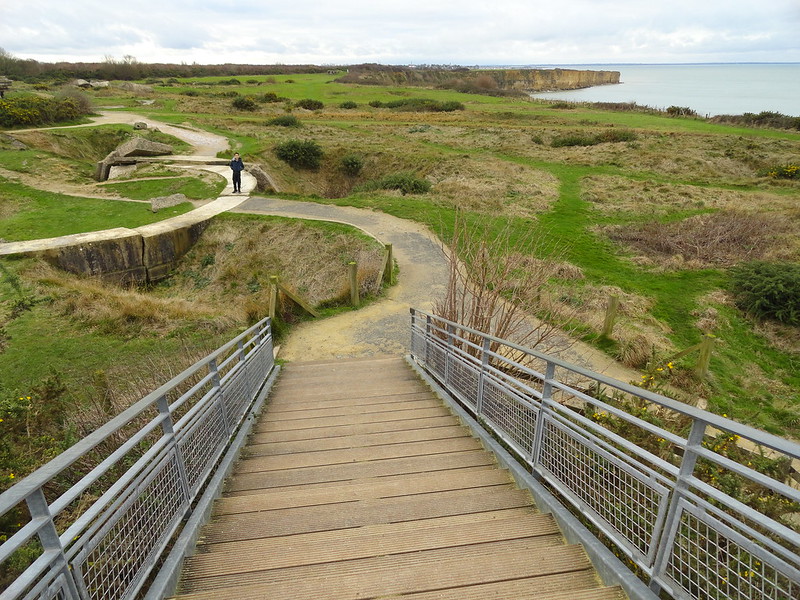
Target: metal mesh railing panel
x: 510, y: 414
x: 626, y: 503
x: 707, y: 563
x: 236, y: 393
x: 436, y: 360
x: 123, y: 547
x: 201, y: 444
x: 463, y: 379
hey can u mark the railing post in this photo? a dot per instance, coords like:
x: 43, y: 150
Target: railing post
x: 482, y: 375
x: 547, y: 396
x: 167, y: 426
x: 666, y: 536
x: 413, y: 330
x: 448, y: 354
x: 48, y: 536
x: 427, y: 339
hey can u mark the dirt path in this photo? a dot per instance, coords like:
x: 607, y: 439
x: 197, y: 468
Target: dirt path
x: 384, y: 326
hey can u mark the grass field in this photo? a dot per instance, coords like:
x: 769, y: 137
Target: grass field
x: 637, y: 213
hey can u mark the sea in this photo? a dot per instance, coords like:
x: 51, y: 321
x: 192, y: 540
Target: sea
x: 709, y: 89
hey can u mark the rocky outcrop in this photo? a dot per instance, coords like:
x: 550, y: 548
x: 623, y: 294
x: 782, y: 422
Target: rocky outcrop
x: 524, y: 80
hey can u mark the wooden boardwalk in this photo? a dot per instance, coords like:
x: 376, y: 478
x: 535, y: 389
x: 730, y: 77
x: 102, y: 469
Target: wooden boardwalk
x: 359, y: 483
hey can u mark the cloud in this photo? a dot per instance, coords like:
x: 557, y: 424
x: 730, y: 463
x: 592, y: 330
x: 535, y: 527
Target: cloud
x: 463, y: 32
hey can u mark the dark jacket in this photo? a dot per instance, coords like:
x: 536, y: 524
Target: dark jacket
x: 237, y: 165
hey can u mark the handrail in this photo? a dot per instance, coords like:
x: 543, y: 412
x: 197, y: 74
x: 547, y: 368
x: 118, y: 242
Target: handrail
x: 103, y: 535
x: 698, y: 520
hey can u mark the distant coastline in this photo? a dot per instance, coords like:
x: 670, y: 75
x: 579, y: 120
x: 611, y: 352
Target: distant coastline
x: 708, y: 88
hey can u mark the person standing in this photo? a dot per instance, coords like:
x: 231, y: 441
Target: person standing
x: 237, y: 166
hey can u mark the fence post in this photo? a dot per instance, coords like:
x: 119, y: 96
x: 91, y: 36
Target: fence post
x: 273, y: 296
x: 611, y: 315
x: 387, y: 269
x: 353, y: 275
x: 703, y: 361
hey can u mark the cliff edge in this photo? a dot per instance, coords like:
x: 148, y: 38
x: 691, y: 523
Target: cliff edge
x: 488, y: 80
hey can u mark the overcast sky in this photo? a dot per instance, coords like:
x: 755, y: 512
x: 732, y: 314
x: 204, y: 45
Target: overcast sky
x: 465, y: 32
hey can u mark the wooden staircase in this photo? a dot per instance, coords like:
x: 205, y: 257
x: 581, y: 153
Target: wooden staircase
x: 359, y: 483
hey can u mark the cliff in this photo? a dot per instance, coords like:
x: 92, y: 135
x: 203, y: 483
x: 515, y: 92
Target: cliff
x: 488, y: 80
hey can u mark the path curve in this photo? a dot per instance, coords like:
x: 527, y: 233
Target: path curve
x: 384, y: 326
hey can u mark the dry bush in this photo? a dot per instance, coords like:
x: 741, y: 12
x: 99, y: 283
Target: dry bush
x: 710, y: 240
x: 493, y: 288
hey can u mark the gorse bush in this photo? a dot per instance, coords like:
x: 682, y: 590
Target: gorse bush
x: 784, y: 172
x: 244, y: 103
x: 269, y: 97
x: 33, y: 110
x: 285, y: 121
x: 419, y: 105
x: 309, y: 104
x: 604, y: 137
x: 300, y: 154
x: 349, y: 104
x: 352, y: 164
x: 406, y: 182
x: 768, y: 290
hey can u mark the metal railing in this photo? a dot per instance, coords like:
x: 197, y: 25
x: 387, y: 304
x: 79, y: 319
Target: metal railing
x: 99, y: 518
x: 699, y: 517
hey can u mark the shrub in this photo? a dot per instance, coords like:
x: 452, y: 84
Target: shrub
x: 348, y: 105
x: 681, y: 111
x: 784, y: 172
x: 407, y: 183
x: 768, y: 290
x: 34, y: 110
x: 419, y: 105
x: 268, y: 97
x: 285, y: 121
x: 191, y: 93
x: 309, y: 104
x: 244, y: 103
x: 352, y: 164
x: 580, y: 139
x: 229, y: 82
x: 300, y: 154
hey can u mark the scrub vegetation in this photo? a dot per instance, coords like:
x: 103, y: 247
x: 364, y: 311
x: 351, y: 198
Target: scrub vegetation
x: 660, y: 210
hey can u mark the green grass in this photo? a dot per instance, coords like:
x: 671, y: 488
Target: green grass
x: 191, y: 187
x: 42, y: 214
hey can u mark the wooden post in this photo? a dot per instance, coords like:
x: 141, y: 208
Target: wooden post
x: 353, y: 273
x: 703, y: 361
x: 388, y: 267
x: 273, y: 295
x: 611, y: 315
